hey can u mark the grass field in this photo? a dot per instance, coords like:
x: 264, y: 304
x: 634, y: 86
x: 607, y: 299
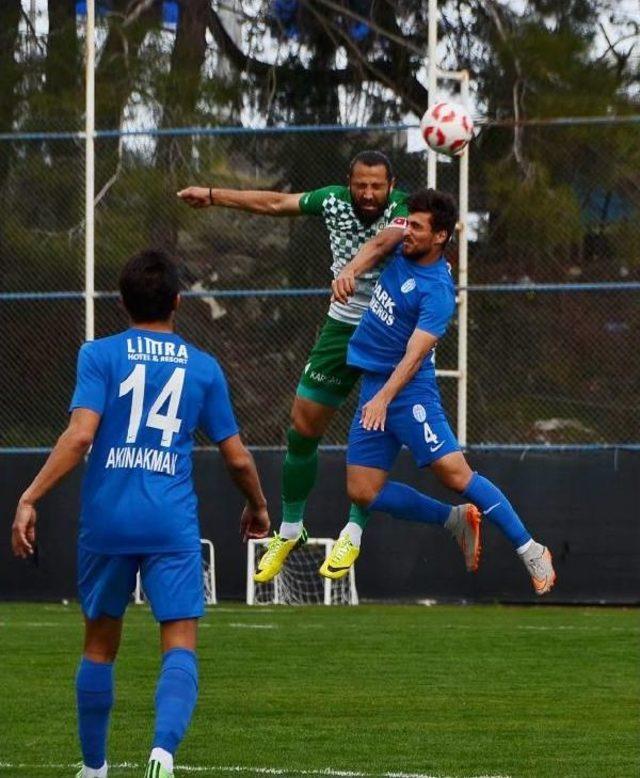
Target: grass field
x: 367, y: 691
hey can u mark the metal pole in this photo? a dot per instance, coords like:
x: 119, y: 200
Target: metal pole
x: 463, y: 279
x: 432, y: 82
x: 89, y: 173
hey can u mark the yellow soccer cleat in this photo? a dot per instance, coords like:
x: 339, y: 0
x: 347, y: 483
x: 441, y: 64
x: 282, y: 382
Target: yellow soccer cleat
x: 340, y: 560
x: 275, y: 556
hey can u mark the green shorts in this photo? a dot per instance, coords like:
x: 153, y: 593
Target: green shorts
x: 327, y: 379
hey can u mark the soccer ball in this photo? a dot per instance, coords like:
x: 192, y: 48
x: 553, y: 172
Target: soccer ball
x: 447, y: 128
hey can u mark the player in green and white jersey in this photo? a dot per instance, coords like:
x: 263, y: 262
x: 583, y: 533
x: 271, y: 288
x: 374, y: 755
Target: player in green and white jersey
x: 365, y: 220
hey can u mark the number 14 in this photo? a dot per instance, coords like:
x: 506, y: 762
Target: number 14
x: 169, y: 423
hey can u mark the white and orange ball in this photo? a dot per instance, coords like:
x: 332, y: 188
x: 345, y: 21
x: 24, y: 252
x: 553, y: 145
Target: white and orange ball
x: 447, y: 128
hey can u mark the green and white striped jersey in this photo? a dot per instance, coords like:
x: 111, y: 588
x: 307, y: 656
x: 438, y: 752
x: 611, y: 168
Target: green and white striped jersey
x: 347, y: 234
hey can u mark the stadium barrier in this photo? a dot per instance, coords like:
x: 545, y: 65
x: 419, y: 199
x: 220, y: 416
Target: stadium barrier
x: 583, y: 504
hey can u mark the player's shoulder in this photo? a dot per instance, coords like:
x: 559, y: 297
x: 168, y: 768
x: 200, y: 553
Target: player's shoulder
x: 316, y: 201
x: 203, y: 361
x: 398, y: 196
x: 101, y: 347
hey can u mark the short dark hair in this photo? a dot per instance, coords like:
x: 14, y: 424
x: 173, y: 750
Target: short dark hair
x: 372, y: 158
x: 149, y: 285
x: 441, y: 206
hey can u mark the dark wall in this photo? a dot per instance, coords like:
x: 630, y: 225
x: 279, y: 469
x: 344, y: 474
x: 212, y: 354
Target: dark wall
x: 584, y: 506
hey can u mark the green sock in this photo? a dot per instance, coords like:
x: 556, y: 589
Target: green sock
x: 298, y: 474
x: 358, y: 515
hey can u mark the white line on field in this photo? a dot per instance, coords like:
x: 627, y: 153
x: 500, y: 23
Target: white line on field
x: 36, y: 624
x: 250, y: 611
x: 241, y: 625
x: 246, y: 769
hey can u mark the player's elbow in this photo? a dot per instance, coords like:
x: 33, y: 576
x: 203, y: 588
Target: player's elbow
x: 239, y: 462
x: 78, y: 439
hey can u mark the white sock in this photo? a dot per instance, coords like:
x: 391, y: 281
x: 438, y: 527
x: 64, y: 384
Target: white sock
x: 91, y: 772
x: 354, y: 531
x: 290, y: 530
x: 164, y: 757
x: 530, y: 548
x: 453, y: 518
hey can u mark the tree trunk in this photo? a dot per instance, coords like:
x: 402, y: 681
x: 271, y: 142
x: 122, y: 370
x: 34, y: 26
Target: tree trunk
x: 180, y: 100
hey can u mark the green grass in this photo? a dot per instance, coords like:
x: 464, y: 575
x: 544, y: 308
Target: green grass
x: 441, y: 691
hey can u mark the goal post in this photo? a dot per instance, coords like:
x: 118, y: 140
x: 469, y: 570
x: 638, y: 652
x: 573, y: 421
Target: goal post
x: 208, y: 576
x: 299, y: 582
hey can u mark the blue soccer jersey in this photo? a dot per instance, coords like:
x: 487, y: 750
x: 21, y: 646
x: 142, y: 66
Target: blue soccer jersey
x: 153, y: 390
x: 407, y: 297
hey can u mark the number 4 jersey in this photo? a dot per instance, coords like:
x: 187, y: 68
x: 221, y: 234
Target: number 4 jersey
x: 152, y: 390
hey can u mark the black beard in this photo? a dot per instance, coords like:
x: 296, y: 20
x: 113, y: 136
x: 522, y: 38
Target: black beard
x: 366, y: 218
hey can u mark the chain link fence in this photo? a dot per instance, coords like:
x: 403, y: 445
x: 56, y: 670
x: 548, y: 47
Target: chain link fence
x: 554, y: 270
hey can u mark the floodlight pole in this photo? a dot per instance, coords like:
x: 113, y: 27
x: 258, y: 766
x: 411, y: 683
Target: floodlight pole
x: 89, y: 173
x: 463, y: 277
x: 432, y: 85
x: 461, y: 373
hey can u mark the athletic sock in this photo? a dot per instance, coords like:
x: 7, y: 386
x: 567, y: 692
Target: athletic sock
x: 354, y: 531
x: 176, y: 696
x: 530, y: 550
x: 162, y: 756
x: 290, y: 530
x: 404, y: 502
x: 298, y: 476
x: 486, y: 496
x: 94, y: 696
x: 359, y: 515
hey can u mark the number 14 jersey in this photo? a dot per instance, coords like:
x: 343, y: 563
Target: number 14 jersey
x: 152, y: 390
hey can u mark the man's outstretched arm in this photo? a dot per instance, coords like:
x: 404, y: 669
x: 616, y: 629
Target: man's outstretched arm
x: 369, y: 255
x: 253, y: 201
x: 67, y: 454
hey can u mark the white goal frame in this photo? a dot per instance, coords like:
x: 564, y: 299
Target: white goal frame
x: 327, y: 582
x: 208, y: 572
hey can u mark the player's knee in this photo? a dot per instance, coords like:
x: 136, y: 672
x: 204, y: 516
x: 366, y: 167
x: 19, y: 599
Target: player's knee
x: 302, y: 424
x: 454, y: 479
x: 361, y: 493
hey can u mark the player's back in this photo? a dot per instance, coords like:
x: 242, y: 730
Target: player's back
x: 152, y: 389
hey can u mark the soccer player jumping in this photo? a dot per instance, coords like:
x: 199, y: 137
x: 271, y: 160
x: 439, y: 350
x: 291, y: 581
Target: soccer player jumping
x: 139, y: 397
x: 365, y: 220
x: 411, y: 307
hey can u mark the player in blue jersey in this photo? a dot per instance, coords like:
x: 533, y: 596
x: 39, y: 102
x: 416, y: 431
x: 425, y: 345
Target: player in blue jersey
x: 394, y: 346
x: 140, y: 396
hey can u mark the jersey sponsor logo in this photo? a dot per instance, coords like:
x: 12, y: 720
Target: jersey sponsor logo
x: 419, y: 413
x: 145, y: 349
x: 134, y: 457
x: 408, y: 286
x: 382, y: 305
x: 400, y: 222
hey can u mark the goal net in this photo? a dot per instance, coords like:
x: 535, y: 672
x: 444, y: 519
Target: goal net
x: 208, y: 575
x: 299, y: 582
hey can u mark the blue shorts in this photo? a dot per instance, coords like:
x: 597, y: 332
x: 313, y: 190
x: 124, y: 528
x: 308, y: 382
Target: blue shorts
x: 172, y: 582
x: 414, y: 419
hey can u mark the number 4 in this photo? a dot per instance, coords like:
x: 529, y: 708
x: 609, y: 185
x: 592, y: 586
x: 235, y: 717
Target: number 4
x: 429, y: 435
x: 168, y: 423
